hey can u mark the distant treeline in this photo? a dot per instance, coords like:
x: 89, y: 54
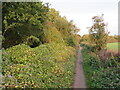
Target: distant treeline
x: 110, y: 38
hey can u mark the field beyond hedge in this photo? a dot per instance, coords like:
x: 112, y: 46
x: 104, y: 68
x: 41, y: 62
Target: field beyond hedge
x: 113, y: 46
x: 46, y: 66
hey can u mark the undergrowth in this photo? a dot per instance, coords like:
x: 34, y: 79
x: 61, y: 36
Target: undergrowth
x: 101, y: 74
x: 46, y: 66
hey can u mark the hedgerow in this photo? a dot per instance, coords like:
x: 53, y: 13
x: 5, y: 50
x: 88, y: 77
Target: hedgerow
x: 101, y: 74
x: 46, y: 66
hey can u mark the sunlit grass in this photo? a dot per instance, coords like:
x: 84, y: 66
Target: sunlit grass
x: 113, y: 46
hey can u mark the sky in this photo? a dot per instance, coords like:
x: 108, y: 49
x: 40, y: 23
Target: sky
x: 81, y: 12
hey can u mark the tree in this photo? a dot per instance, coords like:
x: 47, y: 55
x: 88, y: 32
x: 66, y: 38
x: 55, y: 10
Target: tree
x: 85, y: 38
x: 64, y: 29
x: 21, y: 20
x: 98, y: 34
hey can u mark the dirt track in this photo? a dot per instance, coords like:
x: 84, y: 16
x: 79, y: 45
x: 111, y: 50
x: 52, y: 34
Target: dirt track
x: 79, y: 78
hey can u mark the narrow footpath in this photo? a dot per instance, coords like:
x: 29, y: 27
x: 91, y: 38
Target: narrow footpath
x: 79, y: 78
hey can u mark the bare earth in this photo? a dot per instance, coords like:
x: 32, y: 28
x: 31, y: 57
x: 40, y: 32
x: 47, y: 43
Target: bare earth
x: 79, y: 79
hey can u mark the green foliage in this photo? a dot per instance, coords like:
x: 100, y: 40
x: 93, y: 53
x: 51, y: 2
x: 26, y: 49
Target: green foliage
x: 52, y: 34
x: 46, y: 66
x: 1, y: 38
x: 85, y: 38
x: 97, y: 33
x: 70, y: 41
x: 62, y: 25
x: 50, y: 63
x: 101, y: 74
x: 52, y: 15
x: 89, y: 48
x: 33, y: 41
x: 22, y: 19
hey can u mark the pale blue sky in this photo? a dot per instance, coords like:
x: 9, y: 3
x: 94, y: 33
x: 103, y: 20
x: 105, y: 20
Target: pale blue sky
x: 81, y: 12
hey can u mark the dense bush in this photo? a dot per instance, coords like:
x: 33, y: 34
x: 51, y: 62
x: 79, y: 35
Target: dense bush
x: 49, y: 61
x: 1, y: 38
x: 89, y: 48
x: 52, y: 34
x: 22, y: 19
x: 33, y: 41
x: 46, y: 66
x: 70, y: 41
x: 101, y: 74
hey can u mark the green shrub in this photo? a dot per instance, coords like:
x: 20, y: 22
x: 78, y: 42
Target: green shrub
x: 101, y: 74
x: 33, y: 41
x: 46, y: 66
x: 53, y: 35
x: 70, y: 41
x: 106, y: 78
x: 90, y: 48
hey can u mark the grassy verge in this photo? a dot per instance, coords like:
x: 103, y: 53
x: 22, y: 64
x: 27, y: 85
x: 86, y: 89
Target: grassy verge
x: 46, y: 66
x: 101, y: 74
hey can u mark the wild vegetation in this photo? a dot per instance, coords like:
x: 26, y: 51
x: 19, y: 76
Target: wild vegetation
x: 46, y: 66
x: 101, y: 66
x: 97, y: 33
x: 39, y: 46
x: 101, y: 73
x: 39, y: 49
